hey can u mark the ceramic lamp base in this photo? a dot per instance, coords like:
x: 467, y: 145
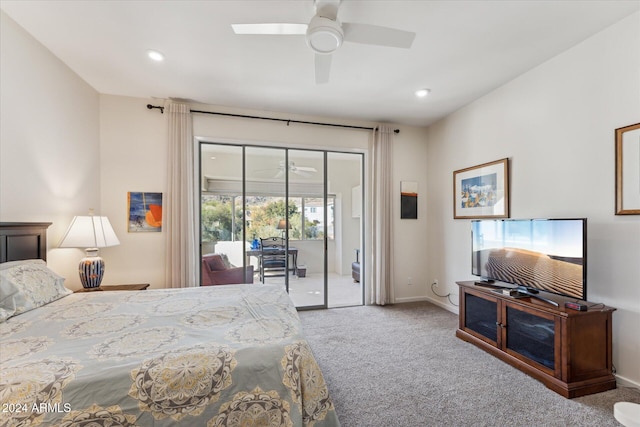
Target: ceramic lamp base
x: 91, y: 269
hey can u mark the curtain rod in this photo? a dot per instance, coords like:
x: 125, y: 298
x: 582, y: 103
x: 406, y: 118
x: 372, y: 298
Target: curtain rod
x: 149, y: 106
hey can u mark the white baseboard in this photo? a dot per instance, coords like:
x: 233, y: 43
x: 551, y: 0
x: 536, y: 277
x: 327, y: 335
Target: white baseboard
x: 410, y: 299
x: 626, y: 382
x: 440, y: 304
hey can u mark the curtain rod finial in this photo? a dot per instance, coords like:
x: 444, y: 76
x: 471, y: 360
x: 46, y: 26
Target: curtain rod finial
x: 149, y: 107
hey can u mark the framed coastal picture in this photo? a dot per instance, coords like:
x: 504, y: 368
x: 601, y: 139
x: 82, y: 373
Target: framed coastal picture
x: 145, y: 212
x: 628, y: 170
x: 482, y: 191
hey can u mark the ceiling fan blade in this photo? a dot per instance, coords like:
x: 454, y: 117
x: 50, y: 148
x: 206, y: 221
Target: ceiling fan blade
x: 306, y: 168
x: 280, y: 174
x: 376, y: 35
x: 323, y: 67
x: 275, y: 28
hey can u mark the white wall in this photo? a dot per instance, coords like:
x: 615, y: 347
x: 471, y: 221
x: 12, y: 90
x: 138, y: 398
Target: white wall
x: 556, y: 124
x: 49, y: 142
x: 133, y: 157
x: 410, y: 236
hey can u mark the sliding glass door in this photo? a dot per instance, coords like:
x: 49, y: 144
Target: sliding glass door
x: 345, y: 224
x: 307, y: 227
x: 222, y: 203
x: 291, y: 215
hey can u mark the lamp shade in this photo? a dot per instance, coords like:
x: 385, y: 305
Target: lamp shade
x: 89, y: 232
x: 282, y: 224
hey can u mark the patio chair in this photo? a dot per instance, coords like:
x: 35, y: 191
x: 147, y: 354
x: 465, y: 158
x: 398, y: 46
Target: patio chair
x: 273, y: 258
x: 216, y: 272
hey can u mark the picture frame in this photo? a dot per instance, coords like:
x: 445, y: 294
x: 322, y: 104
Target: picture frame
x: 144, y: 212
x: 482, y: 191
x: 628, y: 170
x: 408, y: 200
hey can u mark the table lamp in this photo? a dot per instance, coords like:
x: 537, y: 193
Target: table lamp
x: 90, y: 232
x: 282, y: 225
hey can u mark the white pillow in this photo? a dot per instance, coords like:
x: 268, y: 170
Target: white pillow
x: 7, y: 302
x: 28, y: 285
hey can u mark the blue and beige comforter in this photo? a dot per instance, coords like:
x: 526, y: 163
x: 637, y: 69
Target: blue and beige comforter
x: 212, y: 356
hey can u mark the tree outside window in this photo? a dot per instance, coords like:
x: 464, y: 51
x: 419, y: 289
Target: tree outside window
x: 306, y: 216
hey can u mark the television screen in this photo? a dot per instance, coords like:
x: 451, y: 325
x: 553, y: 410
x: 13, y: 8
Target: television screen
x: 539, y: 254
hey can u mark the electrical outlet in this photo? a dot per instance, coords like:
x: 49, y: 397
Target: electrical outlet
x: 409, y: 281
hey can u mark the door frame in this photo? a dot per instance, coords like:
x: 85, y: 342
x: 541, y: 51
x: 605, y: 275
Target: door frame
x: 325, y: 152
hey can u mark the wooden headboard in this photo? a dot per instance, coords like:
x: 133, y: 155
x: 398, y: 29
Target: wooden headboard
x: 23, y: 240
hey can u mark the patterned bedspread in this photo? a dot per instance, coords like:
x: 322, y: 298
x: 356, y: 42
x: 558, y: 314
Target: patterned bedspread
x: 211, y: 356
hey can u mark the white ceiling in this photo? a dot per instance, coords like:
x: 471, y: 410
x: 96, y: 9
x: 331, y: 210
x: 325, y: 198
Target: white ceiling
x: 462, y: 50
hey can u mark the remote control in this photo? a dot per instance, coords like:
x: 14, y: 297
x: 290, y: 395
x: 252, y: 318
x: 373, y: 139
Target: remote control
x: 576, y: 306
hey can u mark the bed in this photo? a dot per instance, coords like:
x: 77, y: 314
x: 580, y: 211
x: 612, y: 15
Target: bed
x: 231, y: 355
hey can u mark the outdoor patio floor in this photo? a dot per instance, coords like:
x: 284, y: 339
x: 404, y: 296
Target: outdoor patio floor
x: 308, y: 291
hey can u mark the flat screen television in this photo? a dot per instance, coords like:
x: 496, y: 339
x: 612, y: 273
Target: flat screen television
x: 533, y: 254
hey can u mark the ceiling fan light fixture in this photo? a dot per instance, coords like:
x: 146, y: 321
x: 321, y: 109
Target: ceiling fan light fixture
x: 155, y: 55
x: 324, y: 35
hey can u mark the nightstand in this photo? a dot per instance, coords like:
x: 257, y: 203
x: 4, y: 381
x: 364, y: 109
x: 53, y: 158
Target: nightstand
x: 132, y: 287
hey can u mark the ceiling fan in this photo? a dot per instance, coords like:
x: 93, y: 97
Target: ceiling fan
x: 324, y: 34
x: 298, y: 170
x: 305, y: 171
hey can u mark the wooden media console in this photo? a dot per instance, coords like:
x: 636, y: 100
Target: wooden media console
x: 569, y: 351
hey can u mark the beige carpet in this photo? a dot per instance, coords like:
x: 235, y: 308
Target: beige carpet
x: 402, y: 365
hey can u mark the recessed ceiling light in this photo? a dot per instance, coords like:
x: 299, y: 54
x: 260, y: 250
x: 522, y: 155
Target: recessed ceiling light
x: 422, y: 93
x: 155, y: 55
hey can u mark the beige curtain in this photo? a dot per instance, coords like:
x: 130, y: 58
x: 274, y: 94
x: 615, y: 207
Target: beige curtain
x: 179, y: 220
x: 382, y: 217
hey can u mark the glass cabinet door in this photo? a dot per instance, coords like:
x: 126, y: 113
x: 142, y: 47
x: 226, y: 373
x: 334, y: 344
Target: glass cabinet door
x: 481, y: 316
x: 531, y: 336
